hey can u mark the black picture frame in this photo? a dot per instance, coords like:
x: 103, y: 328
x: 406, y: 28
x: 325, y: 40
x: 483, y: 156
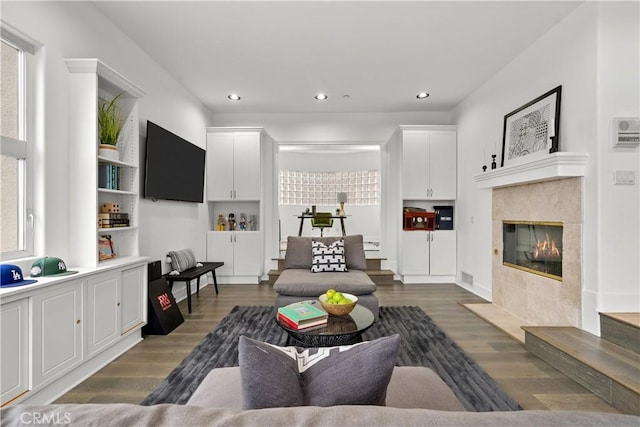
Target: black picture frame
x: 532, y: 130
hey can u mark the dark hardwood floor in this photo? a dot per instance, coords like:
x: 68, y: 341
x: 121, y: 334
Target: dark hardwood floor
x: 531, y: 382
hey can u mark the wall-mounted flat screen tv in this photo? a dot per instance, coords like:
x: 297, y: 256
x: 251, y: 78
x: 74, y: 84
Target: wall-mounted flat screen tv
x: 174, y: 167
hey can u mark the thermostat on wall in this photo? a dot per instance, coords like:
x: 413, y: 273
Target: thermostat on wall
x: 626, y: 131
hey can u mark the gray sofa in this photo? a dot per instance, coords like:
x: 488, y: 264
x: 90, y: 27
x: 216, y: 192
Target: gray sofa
x: 297, y: 282
x: 416, y: 396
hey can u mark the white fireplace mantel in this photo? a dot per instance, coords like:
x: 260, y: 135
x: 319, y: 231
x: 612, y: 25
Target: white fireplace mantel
x: 554, y: 166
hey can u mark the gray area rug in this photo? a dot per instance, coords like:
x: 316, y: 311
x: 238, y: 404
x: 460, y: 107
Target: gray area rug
x: 423, y: 343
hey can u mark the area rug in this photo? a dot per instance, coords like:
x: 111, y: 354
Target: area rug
x: 423, y: 343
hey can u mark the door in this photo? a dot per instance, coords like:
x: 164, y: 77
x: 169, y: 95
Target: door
x: 246, y: 165
x: 220, y: 166
x: 443, y: 253
x: 14, y: 349
x: 102, y: 314
x: 415, y: 253
x: 57, y: 332
x: 415, y: 164
x: 247, y: 254
x: 442, y: 165
x: 133, y: 299
x: 220, y: 248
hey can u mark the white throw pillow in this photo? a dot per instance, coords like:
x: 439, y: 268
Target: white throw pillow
x: 328, y: 258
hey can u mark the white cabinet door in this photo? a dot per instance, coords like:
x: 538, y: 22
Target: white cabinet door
x: 246, y: 253
x: 415, y: 167
x: 220, y: 166
x: 415, y: 253
x: 246, y: 165
x: 442, y: 165
x: 102, y: 314
x: 57, y: 332
x: 133, y: 299
x: 443, y: 253
x: 220, y: 248
x: 14, y: 349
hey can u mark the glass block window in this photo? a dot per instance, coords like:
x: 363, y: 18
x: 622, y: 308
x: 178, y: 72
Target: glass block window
x: 321, y: 188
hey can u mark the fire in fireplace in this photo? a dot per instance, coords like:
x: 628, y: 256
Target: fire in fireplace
x: 532, y: 246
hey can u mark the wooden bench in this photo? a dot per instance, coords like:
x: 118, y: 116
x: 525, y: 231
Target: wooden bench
x: 194, y: 273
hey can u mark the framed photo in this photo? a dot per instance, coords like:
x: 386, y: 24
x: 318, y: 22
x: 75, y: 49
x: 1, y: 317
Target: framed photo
x: 532, y: 130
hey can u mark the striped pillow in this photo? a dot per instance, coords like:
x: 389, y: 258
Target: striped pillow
x: 328, y: 258
x: 182, y: 260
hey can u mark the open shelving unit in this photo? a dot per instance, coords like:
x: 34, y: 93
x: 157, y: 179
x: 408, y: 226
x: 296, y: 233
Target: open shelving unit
x: 90, y: 81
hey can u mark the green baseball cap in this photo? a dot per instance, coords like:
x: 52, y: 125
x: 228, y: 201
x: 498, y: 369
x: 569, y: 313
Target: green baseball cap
x: 50, y: 266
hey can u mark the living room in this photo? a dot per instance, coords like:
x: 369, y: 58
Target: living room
x: 592, y: 51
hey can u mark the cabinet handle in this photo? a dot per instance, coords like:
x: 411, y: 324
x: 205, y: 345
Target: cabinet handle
x: 234, y: 238
x: 78, y: 322
x: 231, y: 194
x: 230, y: 238
x: 118, y: 304
x: 235, y: 196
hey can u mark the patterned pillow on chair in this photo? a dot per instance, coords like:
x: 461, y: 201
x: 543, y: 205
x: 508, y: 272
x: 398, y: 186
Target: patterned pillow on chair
x: 328, y: 258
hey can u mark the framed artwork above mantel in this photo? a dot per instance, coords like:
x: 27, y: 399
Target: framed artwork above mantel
x: 532, y: 131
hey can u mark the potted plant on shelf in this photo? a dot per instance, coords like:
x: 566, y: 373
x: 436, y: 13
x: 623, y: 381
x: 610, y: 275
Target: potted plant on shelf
x: 109, y: 124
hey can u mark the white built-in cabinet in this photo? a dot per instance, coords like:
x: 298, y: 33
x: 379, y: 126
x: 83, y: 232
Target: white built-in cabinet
x: 233, y: 165
x: 239, y: 250
x: 14, y: 349
x: 428, y: 178
x: 90, y: 80
x: 428, y: 253
x: 236, y: 184
x: 60, y: 331
x: 428, y: 164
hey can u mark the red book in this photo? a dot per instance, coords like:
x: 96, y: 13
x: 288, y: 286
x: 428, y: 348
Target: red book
x: 291, y: 324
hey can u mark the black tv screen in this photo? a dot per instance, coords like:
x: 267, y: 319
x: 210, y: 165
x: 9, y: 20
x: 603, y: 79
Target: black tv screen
x: 174, y: 167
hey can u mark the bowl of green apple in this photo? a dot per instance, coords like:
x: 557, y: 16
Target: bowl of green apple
x: 337, y: 303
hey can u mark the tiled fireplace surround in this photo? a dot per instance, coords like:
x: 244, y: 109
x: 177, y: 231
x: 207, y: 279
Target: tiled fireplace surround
x: 534, y: 298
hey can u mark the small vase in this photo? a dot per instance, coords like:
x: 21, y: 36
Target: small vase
x: 108, y: 151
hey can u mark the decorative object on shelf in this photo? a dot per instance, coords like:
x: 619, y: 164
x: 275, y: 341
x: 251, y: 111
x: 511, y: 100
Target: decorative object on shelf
x: 252, y: 223
x: 243, y: 222
x: 221, y: 223
x: 342, y: 199
x: 50, y: 266
x: 533, y: 129
x: 493, y: 161
x: 307, y: 212
x: 109, y: 124
x: 232, y: 221
x: 105, y: 248
x: 484, y: 168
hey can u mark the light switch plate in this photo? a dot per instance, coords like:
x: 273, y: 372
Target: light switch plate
x: 625, y: 178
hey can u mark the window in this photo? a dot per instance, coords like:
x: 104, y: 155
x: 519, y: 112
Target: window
x: 321, y: 188
x: 16, y: 234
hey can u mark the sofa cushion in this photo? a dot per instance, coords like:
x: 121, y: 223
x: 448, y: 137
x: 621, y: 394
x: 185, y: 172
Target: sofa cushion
x: 298, y: 254
x: 328, y: 257
x: 409, y: 387
x: 274, y: 376
x: 304, y: 283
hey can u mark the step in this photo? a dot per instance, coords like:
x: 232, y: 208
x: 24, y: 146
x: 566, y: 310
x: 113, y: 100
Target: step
x: 372, y: 263
x: 379, y: 277
x: 622, y: 329
x: 608, y: 370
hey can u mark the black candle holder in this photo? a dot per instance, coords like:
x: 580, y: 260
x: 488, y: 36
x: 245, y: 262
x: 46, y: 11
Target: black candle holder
x: 493, y: 162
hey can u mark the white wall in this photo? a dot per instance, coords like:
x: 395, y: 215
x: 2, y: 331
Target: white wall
x: 77, y: 29
x: 580, y: 53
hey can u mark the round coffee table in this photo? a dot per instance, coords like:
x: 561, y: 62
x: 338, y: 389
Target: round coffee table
x: 339, y: 330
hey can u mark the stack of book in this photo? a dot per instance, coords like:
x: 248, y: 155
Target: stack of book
x: 109, y: 176
x: 302, y: 315
x: 111, y: 219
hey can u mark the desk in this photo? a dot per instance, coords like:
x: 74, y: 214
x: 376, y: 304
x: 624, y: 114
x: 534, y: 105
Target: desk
x: 303, y: 217
x: 194, y: 273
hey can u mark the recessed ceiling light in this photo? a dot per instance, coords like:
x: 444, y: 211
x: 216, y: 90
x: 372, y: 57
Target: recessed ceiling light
x: 234, y: 97
x: 321, y: 97
x: 422, y: 95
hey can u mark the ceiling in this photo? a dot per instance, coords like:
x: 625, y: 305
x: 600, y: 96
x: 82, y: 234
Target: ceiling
x: 278, y: 55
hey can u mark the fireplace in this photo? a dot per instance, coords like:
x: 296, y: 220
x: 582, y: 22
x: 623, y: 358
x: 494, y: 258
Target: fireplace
x: 535, y: 247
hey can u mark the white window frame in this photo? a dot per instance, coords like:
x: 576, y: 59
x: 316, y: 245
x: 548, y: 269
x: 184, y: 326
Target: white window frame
x: 22, y: 148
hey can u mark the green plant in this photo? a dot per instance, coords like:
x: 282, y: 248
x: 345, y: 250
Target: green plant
x: 110, y: 121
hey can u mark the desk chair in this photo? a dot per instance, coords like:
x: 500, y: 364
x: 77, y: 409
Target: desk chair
x: 322, y: 220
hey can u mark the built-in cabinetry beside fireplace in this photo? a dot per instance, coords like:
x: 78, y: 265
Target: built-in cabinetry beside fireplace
x: 426, y: 162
